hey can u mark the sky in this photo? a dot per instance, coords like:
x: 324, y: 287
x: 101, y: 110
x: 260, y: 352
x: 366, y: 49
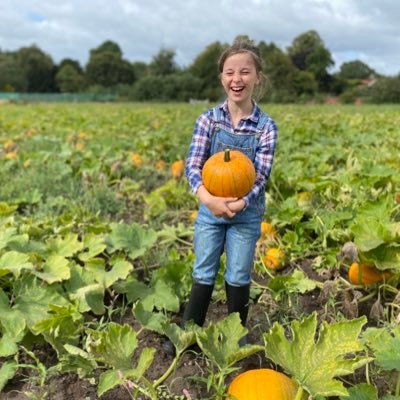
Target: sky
x: 366, y: 30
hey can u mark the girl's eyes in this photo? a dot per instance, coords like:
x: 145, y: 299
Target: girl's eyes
x: 229, y: 73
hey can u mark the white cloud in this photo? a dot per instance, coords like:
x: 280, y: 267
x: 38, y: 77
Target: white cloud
x: 367, y: 29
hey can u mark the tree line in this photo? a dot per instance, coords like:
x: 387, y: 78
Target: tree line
x: 301, y: 73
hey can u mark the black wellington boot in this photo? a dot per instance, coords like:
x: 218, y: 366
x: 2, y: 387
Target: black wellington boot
x: 195, y: 310
x: 238, y: 301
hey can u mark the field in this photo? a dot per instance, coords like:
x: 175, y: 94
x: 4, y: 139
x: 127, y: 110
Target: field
x: 96, y: 229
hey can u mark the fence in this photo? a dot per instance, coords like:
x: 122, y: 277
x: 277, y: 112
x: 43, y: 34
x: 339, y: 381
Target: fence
x: 56, y: 97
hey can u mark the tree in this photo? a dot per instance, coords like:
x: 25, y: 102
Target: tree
x: 107, y: 68
x: 73, y: 63
x: 69, y: 79
x: 107, y: 47
x: 355, y: 70
x: 163, y: 63
x: 38, y: 69
x: 308, y: 53
x: 386, y: 90
x: 280, y: 73
x: 205, y: 67
x: 140, y: 69
x: 12, y: 76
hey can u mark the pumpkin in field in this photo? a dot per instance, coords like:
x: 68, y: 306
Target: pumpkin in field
x: 262, y: 384
x: 193, y: 216
x: 228, y: 173
x: 136, y: 160
x: 177, y: 168
x: 274, y: 258
x: 365, y: 274
x: 267, y: 231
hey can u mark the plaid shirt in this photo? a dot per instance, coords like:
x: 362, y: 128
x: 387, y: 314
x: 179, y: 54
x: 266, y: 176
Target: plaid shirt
x: 199, y: 150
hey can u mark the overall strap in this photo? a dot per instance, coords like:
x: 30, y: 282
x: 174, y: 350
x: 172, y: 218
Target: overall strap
x: 217, y: 118
x: 262, y: 120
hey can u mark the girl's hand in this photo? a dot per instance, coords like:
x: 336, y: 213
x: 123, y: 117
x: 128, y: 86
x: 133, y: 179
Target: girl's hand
x: 217, y: 205
x: 237, y: 205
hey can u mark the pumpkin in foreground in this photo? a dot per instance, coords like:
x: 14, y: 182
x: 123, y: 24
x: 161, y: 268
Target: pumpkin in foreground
x: 262, y: 384
x: 365, y: 274
x: 274, y: 258
x: 228, y: 173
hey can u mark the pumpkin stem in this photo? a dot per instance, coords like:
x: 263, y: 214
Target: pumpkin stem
x: 227, y: 155
x: 299, y: 393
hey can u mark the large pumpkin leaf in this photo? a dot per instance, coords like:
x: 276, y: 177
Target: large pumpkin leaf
x: 220, y: 342
x: 133, y: 239
x: 113, y: 346
x: 14, y: 262
x: 384, y: 257
x: 7, y: 371
x: 315, y: 364
x: 32, y: 299
x: 93, y: 245
x: 96, y: 268
x: 113, y: 377
x: 66, y: 247
x: 61, y: 327
x: 12, y: 326
x: 55, y: 269
x: 361, y: 391
x: 385, y: 344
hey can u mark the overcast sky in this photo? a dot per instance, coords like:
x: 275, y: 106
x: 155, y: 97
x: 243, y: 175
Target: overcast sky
x: 367, y: 30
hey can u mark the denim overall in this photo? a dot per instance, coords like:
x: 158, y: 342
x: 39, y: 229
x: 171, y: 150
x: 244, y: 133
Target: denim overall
x: 238, y: 235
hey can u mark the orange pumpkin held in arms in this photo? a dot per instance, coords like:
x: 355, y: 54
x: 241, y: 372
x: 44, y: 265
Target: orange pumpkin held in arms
x: 228, y: 173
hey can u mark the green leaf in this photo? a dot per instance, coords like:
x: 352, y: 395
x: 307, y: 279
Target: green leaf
x: 133, y: 239
x: 120, y: 270
x: 150, y: 319
x: 93, y: 245
x: 384, y: 257
x: 161, y: 297
x: 13, y: 325
x: 65, y: 247
x: 33, y: 299
x: 370, y: 233
x: 133, y: 289
x: 55, y: 269
x: 6, y: 236
x: 85, y: 291
x: 361, y: 391
x: 315, y: 364
x: 114, y: 346
x: 181, y: 338
x: 14, y: 262
x: 145, y: 360
x: 295, y: 283
x: 8, y: 345
x: 108, y: 380
x: 7, y: 371
x: 220, y: 342
x: 385, y: 343
x: 61, y: 327
x: 7, y: 209
x: 74, y: 359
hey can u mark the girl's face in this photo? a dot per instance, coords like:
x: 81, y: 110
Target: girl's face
x: 238, y: 78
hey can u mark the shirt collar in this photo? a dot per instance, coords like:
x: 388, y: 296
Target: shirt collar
x: 255, y: 114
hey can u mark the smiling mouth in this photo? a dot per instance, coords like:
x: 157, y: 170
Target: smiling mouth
x: 237, y: 89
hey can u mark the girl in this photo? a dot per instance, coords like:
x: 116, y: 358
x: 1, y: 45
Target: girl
x: 232, y: 224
